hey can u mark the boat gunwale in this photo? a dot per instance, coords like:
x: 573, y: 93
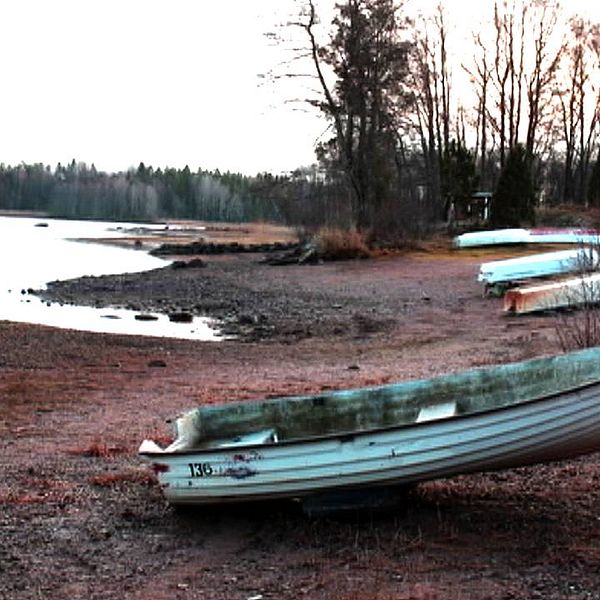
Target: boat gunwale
x: 350, y: 435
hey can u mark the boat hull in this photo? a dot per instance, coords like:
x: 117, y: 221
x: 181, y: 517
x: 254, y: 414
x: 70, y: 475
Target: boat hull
x: 500, y: 237
x: 538, y: 265
x: 541, y: 430
x: 570, y: 293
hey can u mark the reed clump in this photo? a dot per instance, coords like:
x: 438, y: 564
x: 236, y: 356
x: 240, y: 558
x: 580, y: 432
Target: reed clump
x: 341, y: 244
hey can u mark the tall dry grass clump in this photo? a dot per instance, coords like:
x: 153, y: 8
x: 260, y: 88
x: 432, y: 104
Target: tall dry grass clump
x: 338, y: 244
x: 579, y: 326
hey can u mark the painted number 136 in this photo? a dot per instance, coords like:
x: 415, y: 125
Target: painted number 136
x: 200, y: 469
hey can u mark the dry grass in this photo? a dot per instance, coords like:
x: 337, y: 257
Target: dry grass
x: 568, y: 215
x: 580, y: 327
x: 99, y: 450
x: 38, y: 491
x: 118, y: 478
x: 212, y: 233
x: 336, y: 244
x: 259, y: 232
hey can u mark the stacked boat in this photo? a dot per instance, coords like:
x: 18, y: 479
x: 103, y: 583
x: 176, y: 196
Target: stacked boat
x: 570, y: 278
x: 545, y: 235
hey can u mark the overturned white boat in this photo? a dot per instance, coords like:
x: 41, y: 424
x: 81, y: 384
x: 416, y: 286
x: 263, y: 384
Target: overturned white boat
x: 489, y: 418
x: 538, y: 265
x: 550, y: 235
x: 568, y: 293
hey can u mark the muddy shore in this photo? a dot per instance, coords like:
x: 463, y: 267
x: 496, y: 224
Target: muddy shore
x: 83, y: 518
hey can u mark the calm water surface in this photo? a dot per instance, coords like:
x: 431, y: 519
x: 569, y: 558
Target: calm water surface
x: 35, y: 251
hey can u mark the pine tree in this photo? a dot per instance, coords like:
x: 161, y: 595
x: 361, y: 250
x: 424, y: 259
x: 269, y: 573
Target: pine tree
x: 369, y: 60
x: 459, y: 174
x: 593, y: 195
x: 514, y: 199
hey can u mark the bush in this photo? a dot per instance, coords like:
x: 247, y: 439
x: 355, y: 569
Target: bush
x: 514, y: 199
x: 594, y: 185
x: 579, y: 326
x: 336, y: 244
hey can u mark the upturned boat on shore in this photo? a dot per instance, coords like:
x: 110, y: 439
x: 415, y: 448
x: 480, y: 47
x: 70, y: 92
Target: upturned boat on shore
x: 545, y: 235
x: 538, y: 265
x: 575, y: 292
x: 482, y: 419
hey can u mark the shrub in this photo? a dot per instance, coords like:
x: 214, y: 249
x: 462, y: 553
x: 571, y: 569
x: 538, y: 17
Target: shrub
x: 336, y: 244
x: 594, y: 185
x: 514, y: 199
x: 579, y: 327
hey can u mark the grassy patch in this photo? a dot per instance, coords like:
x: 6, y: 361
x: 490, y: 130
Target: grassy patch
x: 339, y: 244
x: 99, y: 450
x: 118, y: 478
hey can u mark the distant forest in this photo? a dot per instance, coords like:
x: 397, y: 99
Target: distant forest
x: 309, y: 197
x: 146, y: 194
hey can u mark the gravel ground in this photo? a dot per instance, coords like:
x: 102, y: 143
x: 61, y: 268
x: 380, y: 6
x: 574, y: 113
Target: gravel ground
x: 83, y: 518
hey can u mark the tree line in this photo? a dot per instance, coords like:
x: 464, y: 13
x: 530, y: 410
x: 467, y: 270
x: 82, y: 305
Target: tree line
x: 143, y: 194
x: 420, y: 119
x: 307, y: 197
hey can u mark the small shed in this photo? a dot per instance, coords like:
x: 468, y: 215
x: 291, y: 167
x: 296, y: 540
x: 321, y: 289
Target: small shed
x: 480, y: 205
x: 475, y: 209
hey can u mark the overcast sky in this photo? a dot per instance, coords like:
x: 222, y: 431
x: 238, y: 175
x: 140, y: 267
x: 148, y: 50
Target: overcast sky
x: 166, y: 82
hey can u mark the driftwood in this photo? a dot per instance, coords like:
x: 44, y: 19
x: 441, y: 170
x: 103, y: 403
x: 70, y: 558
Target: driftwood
x: 300, y: 255
x: 277, y: 253
x: 201, y: 247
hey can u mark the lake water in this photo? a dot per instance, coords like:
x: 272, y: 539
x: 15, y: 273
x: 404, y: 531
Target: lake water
x: 34, y: 251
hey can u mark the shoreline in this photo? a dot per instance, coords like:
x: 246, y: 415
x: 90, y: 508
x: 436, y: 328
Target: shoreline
x: 76, y: 499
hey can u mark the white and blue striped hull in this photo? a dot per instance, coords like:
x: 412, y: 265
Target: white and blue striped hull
x: 540, y: 430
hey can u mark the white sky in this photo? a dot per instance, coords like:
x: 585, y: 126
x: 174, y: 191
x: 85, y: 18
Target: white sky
x: 166, y: 82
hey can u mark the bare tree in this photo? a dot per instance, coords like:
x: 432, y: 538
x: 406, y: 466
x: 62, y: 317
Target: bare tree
x: 426, y: 111
x: 480, y: 75
x: 507, y: 73
x: 578, y: 107
x: 430, y: 86
x: 444, y: 79
x: 501, y: 75
x: 541, y: 79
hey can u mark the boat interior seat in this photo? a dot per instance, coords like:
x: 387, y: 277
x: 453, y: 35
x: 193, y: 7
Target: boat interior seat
x: 255, y: 438
x: 437, y: 411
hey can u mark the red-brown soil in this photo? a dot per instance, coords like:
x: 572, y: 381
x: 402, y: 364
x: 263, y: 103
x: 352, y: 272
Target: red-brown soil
x: 81, y: 517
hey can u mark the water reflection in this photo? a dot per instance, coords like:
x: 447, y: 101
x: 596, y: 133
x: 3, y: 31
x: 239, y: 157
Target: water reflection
x: 35, y: 251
